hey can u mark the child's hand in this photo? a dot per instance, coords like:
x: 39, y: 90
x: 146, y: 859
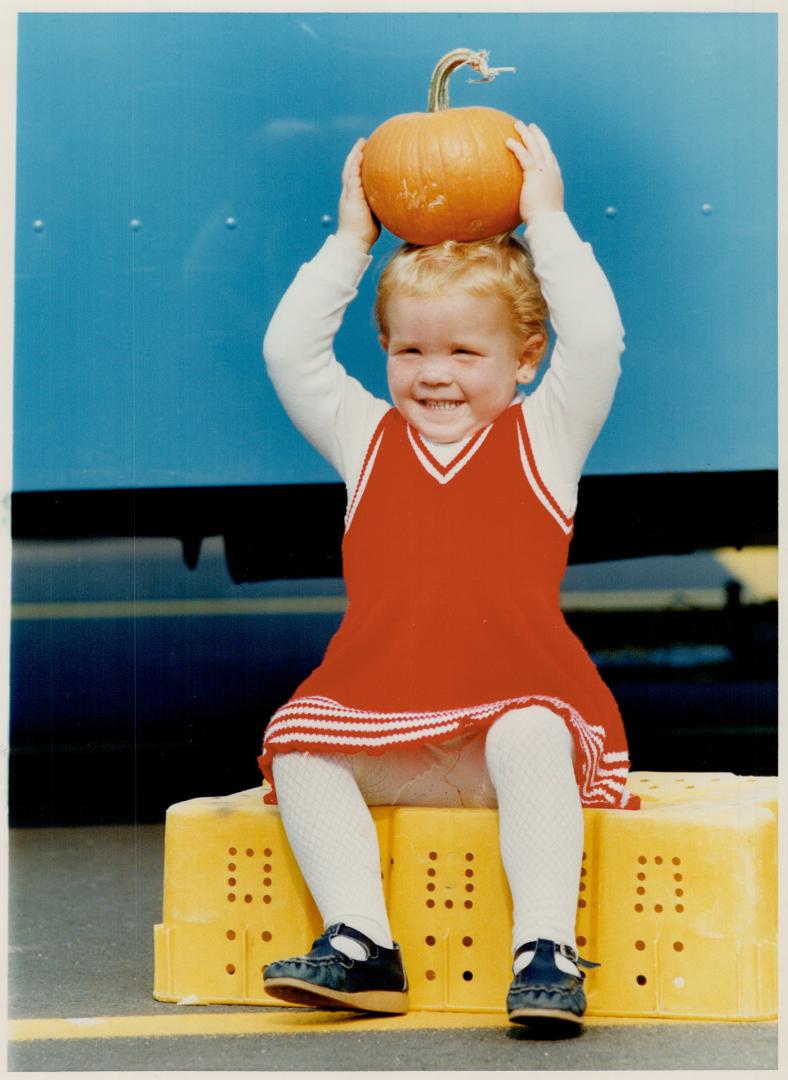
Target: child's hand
x: 357, y: 223
x: 543, y: 188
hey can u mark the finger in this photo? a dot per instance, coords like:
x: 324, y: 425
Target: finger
x: 352, y: 165
x: 544, y: 146
x: 533, y: 146
x: 524, y: 159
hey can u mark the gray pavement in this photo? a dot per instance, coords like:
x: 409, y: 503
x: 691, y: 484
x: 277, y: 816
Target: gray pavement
x: 82, y: 905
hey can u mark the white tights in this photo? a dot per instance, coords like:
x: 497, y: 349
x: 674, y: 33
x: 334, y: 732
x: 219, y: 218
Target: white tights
x: 522, y: 765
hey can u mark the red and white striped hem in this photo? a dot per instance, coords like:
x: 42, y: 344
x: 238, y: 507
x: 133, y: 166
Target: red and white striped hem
x: 320, y: 723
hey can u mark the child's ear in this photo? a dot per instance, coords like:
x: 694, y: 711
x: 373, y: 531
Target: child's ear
x: 384, y: 343
x: 530, y: 357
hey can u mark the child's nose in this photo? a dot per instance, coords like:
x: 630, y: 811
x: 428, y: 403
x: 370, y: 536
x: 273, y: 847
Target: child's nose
x: 435, y: 370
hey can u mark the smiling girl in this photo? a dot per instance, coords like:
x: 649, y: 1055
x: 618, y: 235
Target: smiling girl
x: 453, y: 679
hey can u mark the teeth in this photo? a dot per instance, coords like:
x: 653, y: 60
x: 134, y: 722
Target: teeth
x: 441, y: 404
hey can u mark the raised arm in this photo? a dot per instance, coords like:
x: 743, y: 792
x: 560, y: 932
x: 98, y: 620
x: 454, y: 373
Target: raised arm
x: 329, y: 407
x: 567, y: 410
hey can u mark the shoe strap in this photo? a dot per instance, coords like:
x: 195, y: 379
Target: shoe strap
x: 559, y: 947
x: 340, y: 929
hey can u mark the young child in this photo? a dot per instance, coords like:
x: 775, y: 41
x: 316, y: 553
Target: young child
x: 453, y: 679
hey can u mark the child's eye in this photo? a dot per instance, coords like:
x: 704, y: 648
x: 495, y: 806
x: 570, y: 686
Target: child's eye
x: 465, y: 352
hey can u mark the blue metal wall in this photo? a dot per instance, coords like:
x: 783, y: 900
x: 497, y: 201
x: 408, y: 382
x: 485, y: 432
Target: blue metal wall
x: 175, y: 169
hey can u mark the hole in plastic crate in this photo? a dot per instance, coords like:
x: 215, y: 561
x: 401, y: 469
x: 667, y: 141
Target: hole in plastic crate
x: 640, y: 890
x: 232, y: 881
x: 430, y: 886
x: 248, y: 898
x: 658, y: 860
x: 690, y: 785
x: 430, y: 974
x: 469, y: 873
x: 469, y: 887
x: 641, y: 876
x: 230, y: 969
x: 641, y: 980
x: 266, y: 881
x: 467, y: 975
x: 676, y: 860
x: 231, y: 867
x: 249, y: 852
x: 266, y: 899
x: 654, y: 787
x: 678, y: 982
x: 267, y: 868
x: 581, y: 903
x: 583, y: 871
x: 449, y: 903
x: 468, y: 904
x: 582, y: 886
x: 433, y: 855
x: 430, y: 939
x: 232, y: 851
x: 642, y: 859
x: 431, y: 872
x: 430, y: 903
x: 638, y: 907
x: 231, y: 897
x: 679, y: 892
x: 658, y: 908
x: 266, y: 935
x: 267, y: 852
x: 467, y: 941
x: 678, y: 877
x: 469, y: 856
x: 585, y: 854
x: 231, y: 935
x: 581, y: 941
x: 678, y: 946
x: 679, y: 908
x: 640, y: 945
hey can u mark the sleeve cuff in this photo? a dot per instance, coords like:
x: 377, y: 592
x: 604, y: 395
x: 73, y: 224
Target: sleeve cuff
x: 341, y: 262
x: 551, y: 230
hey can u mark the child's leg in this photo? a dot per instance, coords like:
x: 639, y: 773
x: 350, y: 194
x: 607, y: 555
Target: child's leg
x: 529, y: 758
x: 334, y: 841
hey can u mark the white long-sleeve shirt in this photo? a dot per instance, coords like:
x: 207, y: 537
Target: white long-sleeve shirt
x: 563, y: 414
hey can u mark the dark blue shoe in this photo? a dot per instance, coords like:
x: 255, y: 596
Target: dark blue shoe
x: 542, y: 995
x: 328, y: 979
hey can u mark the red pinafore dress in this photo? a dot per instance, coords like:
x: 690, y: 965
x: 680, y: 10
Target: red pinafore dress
x: 453, y: 575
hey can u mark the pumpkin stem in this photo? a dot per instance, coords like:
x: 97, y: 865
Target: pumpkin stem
x: 438, y: 98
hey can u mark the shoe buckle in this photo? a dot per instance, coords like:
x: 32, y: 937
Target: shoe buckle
x: 571, y: 954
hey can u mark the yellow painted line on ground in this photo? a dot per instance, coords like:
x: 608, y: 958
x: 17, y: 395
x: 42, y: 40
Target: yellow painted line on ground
x: 571, y: 600
x: 285, y: 1022
x: 145, y: 609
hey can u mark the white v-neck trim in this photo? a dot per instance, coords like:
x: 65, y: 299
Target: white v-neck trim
x: 439, y: 470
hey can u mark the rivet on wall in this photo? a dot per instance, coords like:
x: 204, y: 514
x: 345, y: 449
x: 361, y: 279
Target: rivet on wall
x: 231, y: 223
x: 706, y: 208
x: 611, y: 211
x: 38, y: 225
x: 326, y: 220
x: 135, y: 224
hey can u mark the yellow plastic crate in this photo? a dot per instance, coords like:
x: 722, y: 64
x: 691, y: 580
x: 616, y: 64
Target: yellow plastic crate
x: 677, y: 900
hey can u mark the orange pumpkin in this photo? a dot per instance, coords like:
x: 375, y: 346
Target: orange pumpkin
x: 446, y: 174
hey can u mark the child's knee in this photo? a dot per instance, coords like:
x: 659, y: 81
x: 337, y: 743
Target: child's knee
x: 530, y: 731
x: 306, y: 768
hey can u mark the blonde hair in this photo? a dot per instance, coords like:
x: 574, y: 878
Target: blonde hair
x: 500, y: 266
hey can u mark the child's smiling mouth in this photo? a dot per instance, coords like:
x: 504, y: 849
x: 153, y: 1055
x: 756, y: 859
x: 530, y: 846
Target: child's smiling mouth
x: 440, y: 404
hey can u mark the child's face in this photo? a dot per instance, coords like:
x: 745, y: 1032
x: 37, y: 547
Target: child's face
x: 454, y: 362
